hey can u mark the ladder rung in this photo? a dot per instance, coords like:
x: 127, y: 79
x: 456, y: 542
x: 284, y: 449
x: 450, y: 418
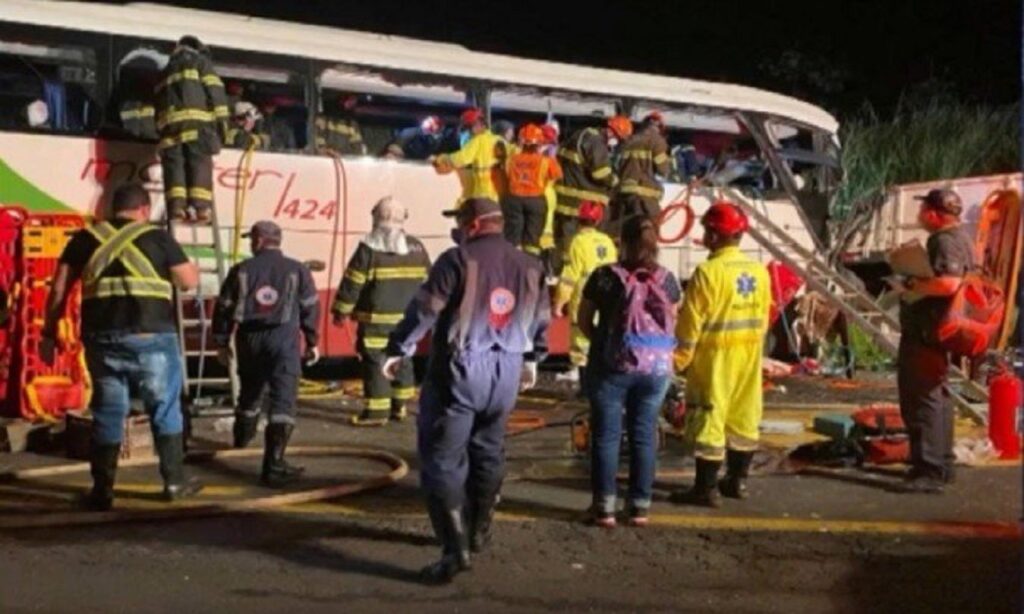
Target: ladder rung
x: 207, y: 380
x: 191, y: 323
x: 197, y: 353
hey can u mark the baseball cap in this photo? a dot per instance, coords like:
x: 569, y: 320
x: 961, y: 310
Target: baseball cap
x: 474, y: 209
x: 264, y: 229
x: 944, y: 200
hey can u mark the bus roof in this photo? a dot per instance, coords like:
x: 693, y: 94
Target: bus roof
x: 392, y: 52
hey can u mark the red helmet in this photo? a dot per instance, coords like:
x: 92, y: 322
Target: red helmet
x: 531, y: 134
x: 621, y: 126
x: 550, y: 133
x: 591, y: 211
x: 471, y: 116
x: 657, y: 119
x: 726, y: 219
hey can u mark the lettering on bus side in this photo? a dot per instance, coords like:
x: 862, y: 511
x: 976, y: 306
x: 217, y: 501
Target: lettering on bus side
x: 309, y: 209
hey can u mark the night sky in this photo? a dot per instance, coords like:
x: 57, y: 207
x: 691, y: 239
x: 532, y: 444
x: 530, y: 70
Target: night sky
x: 836, y: 53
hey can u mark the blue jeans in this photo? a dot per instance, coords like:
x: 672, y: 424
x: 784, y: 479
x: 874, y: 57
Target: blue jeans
x: 148, y: 366
x: 641, y: 395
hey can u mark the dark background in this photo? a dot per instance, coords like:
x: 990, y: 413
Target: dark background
x: 837, y: 53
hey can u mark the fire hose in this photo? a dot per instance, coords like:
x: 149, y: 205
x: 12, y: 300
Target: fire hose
x: 398, y: 470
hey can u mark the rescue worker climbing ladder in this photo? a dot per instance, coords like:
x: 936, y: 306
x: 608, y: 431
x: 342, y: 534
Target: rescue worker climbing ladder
x: 382, y: 277
x: 587, y: 175
x: 643, y: 158
x: 525, y: 206
x: 191, y: 118
x: 720, y: 331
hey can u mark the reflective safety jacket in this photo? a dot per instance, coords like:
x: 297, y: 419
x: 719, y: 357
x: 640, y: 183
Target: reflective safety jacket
x: 483, y: 296
x: 587, y: 170
x: 589, y: 249
x: 481, y: 165
x: 644, y: 158
x: 721, y: 330
x: 243, y: 139
x: 341, y: 136
x: 376, y: 288
x: 139, y: 280
x: 266, y: 291
x: 139, y: 119
x: 191, y: 105
x: 529, y: 173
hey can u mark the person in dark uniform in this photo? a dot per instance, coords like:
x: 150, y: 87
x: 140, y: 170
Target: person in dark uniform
x: 384, y: 273
x: 489, y: 309
x: 191, y: 117
x: 921, y: 362
x: 128, y: 268
x: 243, y: 133
x: 339, y: 132
x: 265, y: 302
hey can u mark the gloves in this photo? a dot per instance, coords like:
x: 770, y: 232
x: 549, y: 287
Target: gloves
x: 312, y: 356
x: 225, y: 355
x: 391, y: 366
x: 528, y: 379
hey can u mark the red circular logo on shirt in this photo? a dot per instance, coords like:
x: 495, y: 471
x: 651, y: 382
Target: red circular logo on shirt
x: 267, y: 296
x: 502, y: 303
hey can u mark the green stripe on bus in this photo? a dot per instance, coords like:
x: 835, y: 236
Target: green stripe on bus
x: 16, y: 190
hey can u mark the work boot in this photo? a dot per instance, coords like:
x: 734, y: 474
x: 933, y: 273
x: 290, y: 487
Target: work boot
x: 481, y: 518
x: 278, y: 472
x: 703, y: 492
x: 244, y: 429
x: 171, y: 450
x: 103, y: 466
x: 449, y: 526
x: 734, y: 484
x: 177, y: 213
x: 371, y: 418
x: 203, y: 216
x: 398, y: 413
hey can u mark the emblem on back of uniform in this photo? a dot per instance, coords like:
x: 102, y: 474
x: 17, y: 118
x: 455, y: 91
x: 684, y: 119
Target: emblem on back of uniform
x: 501, y: 304
x: 602, y: 252
x: 267, y: 296
x: 746, y: 285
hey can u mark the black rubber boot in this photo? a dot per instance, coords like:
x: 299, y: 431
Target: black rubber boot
x: 704, y: 492
x: 103, y: 466
x: 480, y: 518
x: 244, y: 429
x: 449, y: 526
x: 171, y: 450
x: 734, y: 484
x: 278, y: 472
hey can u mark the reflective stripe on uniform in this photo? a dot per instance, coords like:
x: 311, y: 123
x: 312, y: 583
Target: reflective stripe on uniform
x: 176, y: 116
x: 661, y: 158
x: 185, y: 136
x: 570, y: 155
x: 356, y: 277
x: 177, y: 192
x: 378, y: 318
x: 375, y: 343
x: 127, y: 287
x: 631, y: 187
x: 139, y: 113
x: 189, y: 74
x: 411, y: 272
x: 640, y: 154
x: 378, y: 404
x: 403, y: 393
x: 739, y: 443
x: 200, y: 194
x: 117, y: 245
x: 343, y: 308
x: 565, y: 190
x: 731, y: 325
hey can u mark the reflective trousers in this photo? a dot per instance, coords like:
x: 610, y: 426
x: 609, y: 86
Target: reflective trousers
x: 724, y: 400
x: 461, y: 425
x: 188, y: 176
x: 380, y: 394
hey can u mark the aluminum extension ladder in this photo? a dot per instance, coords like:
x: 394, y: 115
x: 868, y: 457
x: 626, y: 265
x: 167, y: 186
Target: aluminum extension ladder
x: 840, y: 290
x: 207, y: 388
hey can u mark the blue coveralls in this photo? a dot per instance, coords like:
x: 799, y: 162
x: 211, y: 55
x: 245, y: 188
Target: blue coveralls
x: 489, y: 308
x: 266, y: 300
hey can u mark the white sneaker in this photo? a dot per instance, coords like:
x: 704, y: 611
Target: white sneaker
x: 572, y: 376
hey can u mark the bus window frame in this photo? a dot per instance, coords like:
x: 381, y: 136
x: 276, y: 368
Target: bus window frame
x: 98, y: 43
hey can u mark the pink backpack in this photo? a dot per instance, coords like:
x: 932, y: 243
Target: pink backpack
x: 643, y: 337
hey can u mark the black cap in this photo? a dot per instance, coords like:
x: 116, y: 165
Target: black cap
x: 944, y: 200
x: 474, y: 209
x: 264, y: 229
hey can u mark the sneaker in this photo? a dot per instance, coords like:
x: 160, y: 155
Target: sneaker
x: 604, y: 520
x: 571, y: 376
x: 637, y: 516
x: 923, y: 484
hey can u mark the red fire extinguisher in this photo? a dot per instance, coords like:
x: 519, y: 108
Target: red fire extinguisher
x: 1004, y: 403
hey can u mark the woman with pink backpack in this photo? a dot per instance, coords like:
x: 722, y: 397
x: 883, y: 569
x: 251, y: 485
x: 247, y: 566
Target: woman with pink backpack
x: 630, y: 360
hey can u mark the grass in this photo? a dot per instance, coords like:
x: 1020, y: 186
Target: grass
x: 866, y: 354
x: 924, y: 140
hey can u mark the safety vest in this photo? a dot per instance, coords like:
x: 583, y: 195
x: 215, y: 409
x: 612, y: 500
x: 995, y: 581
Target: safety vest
x: 140, y: 280
x: 530, y: 173
x: 480, y: 163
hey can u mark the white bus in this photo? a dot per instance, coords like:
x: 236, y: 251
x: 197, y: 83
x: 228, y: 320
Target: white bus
x: 82, y: 59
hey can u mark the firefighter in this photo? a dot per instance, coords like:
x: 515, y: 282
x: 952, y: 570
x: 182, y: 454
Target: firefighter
x: 128, y: 269
x: 590, y: 248
x: 922, y: 364
x: 489, y: 310
x: 138, y: 119
x: 480, y: 161
x: 191, y: 117
x: 381, y: 278
x: 642, y: 160
x: 243, y: 134
x: 586, y: 164
x: 340, y: 133
x: 525, y: 207
x: 720, y: 332
x: 264, y: 304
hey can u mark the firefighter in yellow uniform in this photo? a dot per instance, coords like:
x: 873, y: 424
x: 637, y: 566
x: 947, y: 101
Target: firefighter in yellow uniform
x: 720, y: 331
x: 590, y: 248
x: 480, y: 162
